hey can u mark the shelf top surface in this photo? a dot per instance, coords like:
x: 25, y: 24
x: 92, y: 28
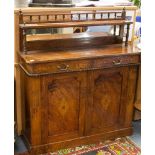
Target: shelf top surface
x: 26, y: 9
x: 41, y: 37
x: 81, y: 53
x: 78, y: 23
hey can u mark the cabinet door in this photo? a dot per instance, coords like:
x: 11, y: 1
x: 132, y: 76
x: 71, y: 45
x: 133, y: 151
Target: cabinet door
x: 106, y: 101
x: 64, y: 99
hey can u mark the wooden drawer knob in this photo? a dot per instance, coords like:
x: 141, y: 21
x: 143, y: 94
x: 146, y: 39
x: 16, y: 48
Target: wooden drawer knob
x: 63, y: 67
x: 118, y: 62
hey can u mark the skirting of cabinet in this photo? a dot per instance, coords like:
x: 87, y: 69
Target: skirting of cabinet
x: 35, y: 150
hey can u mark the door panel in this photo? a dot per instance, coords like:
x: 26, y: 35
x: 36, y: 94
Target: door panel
x: 107, y: 92
x: 63, y: 102
x: 66, y: 104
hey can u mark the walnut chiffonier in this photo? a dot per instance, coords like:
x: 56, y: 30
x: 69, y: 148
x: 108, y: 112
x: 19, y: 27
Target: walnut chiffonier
x: 77, y: 88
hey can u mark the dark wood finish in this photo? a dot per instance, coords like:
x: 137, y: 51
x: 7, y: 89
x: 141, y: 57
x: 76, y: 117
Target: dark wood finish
x: 74, y: 24
x: 68, y: 61
x: 107, y: 89
x: 62, y: 20
x: 79, y: 93
x: 65, y: 105
x: 127, y: 34
x: 70, y: 40
x: 45, y: 11
x: 88, y: 35
x: 137, y: 103
x: 58, y: 107
x: 35, y: 57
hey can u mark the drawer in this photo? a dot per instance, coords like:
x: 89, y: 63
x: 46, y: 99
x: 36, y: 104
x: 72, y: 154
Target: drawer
x: 116, y: 61
x: 58, y: 67
x: 79, y: 65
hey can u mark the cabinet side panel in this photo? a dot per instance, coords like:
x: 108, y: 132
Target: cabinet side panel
x: 25, y: 108
x: 131, y: 92
x: 32, y: 109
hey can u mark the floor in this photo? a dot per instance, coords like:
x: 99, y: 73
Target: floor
x: 136, y: 137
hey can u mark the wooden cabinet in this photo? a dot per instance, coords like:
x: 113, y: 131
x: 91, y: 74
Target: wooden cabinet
x: 73, y: 108
x: 76, y: 88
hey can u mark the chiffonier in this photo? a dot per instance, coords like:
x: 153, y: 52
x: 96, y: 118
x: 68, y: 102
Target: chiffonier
x: 77, y: 88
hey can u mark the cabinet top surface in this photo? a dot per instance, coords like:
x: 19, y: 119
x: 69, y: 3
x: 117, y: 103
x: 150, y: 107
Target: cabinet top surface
x: 81, y: 53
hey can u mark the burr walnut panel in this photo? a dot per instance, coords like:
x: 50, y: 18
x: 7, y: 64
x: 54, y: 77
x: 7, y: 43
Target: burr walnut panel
x: 60, y: 94
x: 107, y: 96
x: 107, y: 89
x: 64, y: 106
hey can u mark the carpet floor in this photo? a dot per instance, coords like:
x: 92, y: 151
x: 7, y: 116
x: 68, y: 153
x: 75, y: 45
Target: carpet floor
x: 120, y: 146
x: 20, y: 148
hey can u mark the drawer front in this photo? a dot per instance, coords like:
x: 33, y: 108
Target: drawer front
x: 79, y: 65
x: 62, y: 66
x: 116, y: 61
